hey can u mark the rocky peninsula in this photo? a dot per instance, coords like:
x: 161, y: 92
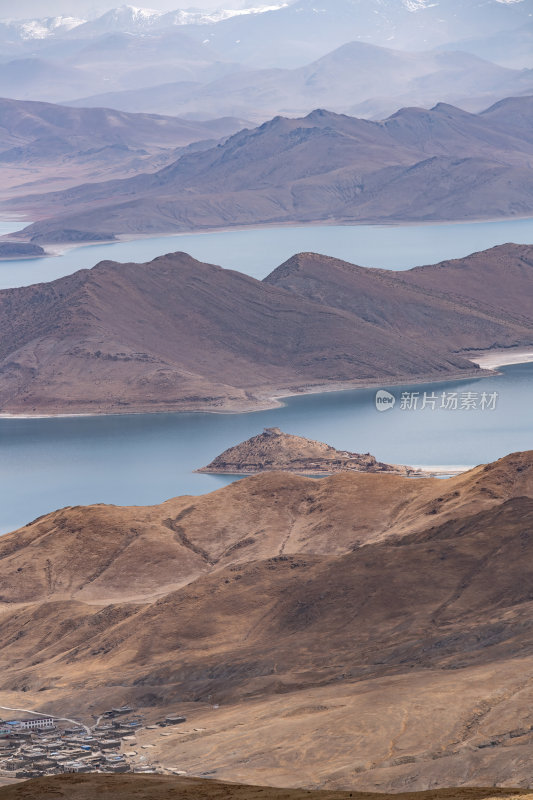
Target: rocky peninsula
x: 275, y: 450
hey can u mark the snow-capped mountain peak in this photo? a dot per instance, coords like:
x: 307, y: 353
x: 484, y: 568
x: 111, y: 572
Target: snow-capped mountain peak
x: 135, y: 13
x: 125, y: 15
x: 199, y: 17
x: 238, y: 12
x: 43, y: 28
x: 125, y: 19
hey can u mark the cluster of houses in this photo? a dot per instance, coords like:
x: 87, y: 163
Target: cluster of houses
x: 41, y: 745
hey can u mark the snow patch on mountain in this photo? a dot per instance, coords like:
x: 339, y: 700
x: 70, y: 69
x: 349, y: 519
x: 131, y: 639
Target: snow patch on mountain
x: 43, y: 28
x: 239, y: 12
x: 126, y: 19
x: 198, y: 17
x: 137, y: 14
x: 126, y: 16
x: 418, y: 5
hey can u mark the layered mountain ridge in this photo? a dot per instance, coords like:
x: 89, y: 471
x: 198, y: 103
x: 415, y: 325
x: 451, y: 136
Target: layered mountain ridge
x: 176, y: 334
x: 417, y: 165
x: 357, y: 78
x: 411, y: 24
x: 58, y: 146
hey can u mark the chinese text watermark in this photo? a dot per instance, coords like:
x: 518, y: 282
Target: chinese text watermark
x: 446, y: 401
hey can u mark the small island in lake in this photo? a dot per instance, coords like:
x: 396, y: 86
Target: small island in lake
x: 275, y: 450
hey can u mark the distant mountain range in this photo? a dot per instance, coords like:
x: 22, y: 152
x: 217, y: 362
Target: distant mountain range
x: 358, y: 78
x: 301, y: 29
x: 176, y: 334
x: 124, y: 19
x: 417, y: 165
x: 181, y: 57
x: 55, y: 146
x: 140, y: 21
x: 509, y: 48
x: 56, y: 71
x: 31, y: 30
x: 30, y: 124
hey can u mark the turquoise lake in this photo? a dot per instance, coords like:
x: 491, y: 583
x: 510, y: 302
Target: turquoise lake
x: 258, y: 251
x: 136, y: 459
x: 146, y: 458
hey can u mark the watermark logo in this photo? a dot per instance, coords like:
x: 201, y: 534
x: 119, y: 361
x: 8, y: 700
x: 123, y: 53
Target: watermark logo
x: 446, y: 401
x: 384, y: 400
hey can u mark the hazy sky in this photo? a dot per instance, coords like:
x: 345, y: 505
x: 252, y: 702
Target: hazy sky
x: 82, y: 8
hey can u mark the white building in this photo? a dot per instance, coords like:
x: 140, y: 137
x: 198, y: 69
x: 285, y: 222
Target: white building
x: 35, y: 723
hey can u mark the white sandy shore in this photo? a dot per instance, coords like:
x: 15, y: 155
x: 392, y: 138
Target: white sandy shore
x: 492, y: 359
x: 442, y: 470
x: 425, y: 471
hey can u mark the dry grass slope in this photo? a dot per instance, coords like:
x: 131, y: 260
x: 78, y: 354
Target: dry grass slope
x: 362, y: 631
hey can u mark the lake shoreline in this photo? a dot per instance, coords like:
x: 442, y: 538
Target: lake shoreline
x: 256, y: 250
x: 488, y: 360
x: 269, y: 400
x: 437, y: 471
x: 60, y: 248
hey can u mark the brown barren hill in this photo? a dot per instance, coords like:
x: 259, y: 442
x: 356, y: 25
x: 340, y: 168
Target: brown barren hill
x: 106, y: 553
x: 275, y: 450
x: 478, y: 302
x: 361, y: 631
x: 177, y: 334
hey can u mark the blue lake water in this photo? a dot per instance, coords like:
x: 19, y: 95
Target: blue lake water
x: 141, y: 459
x: 49, y: 463
x: 258, y: 251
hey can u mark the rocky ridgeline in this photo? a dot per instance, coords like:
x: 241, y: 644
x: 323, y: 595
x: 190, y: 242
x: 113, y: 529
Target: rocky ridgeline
x: 275, y: 450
